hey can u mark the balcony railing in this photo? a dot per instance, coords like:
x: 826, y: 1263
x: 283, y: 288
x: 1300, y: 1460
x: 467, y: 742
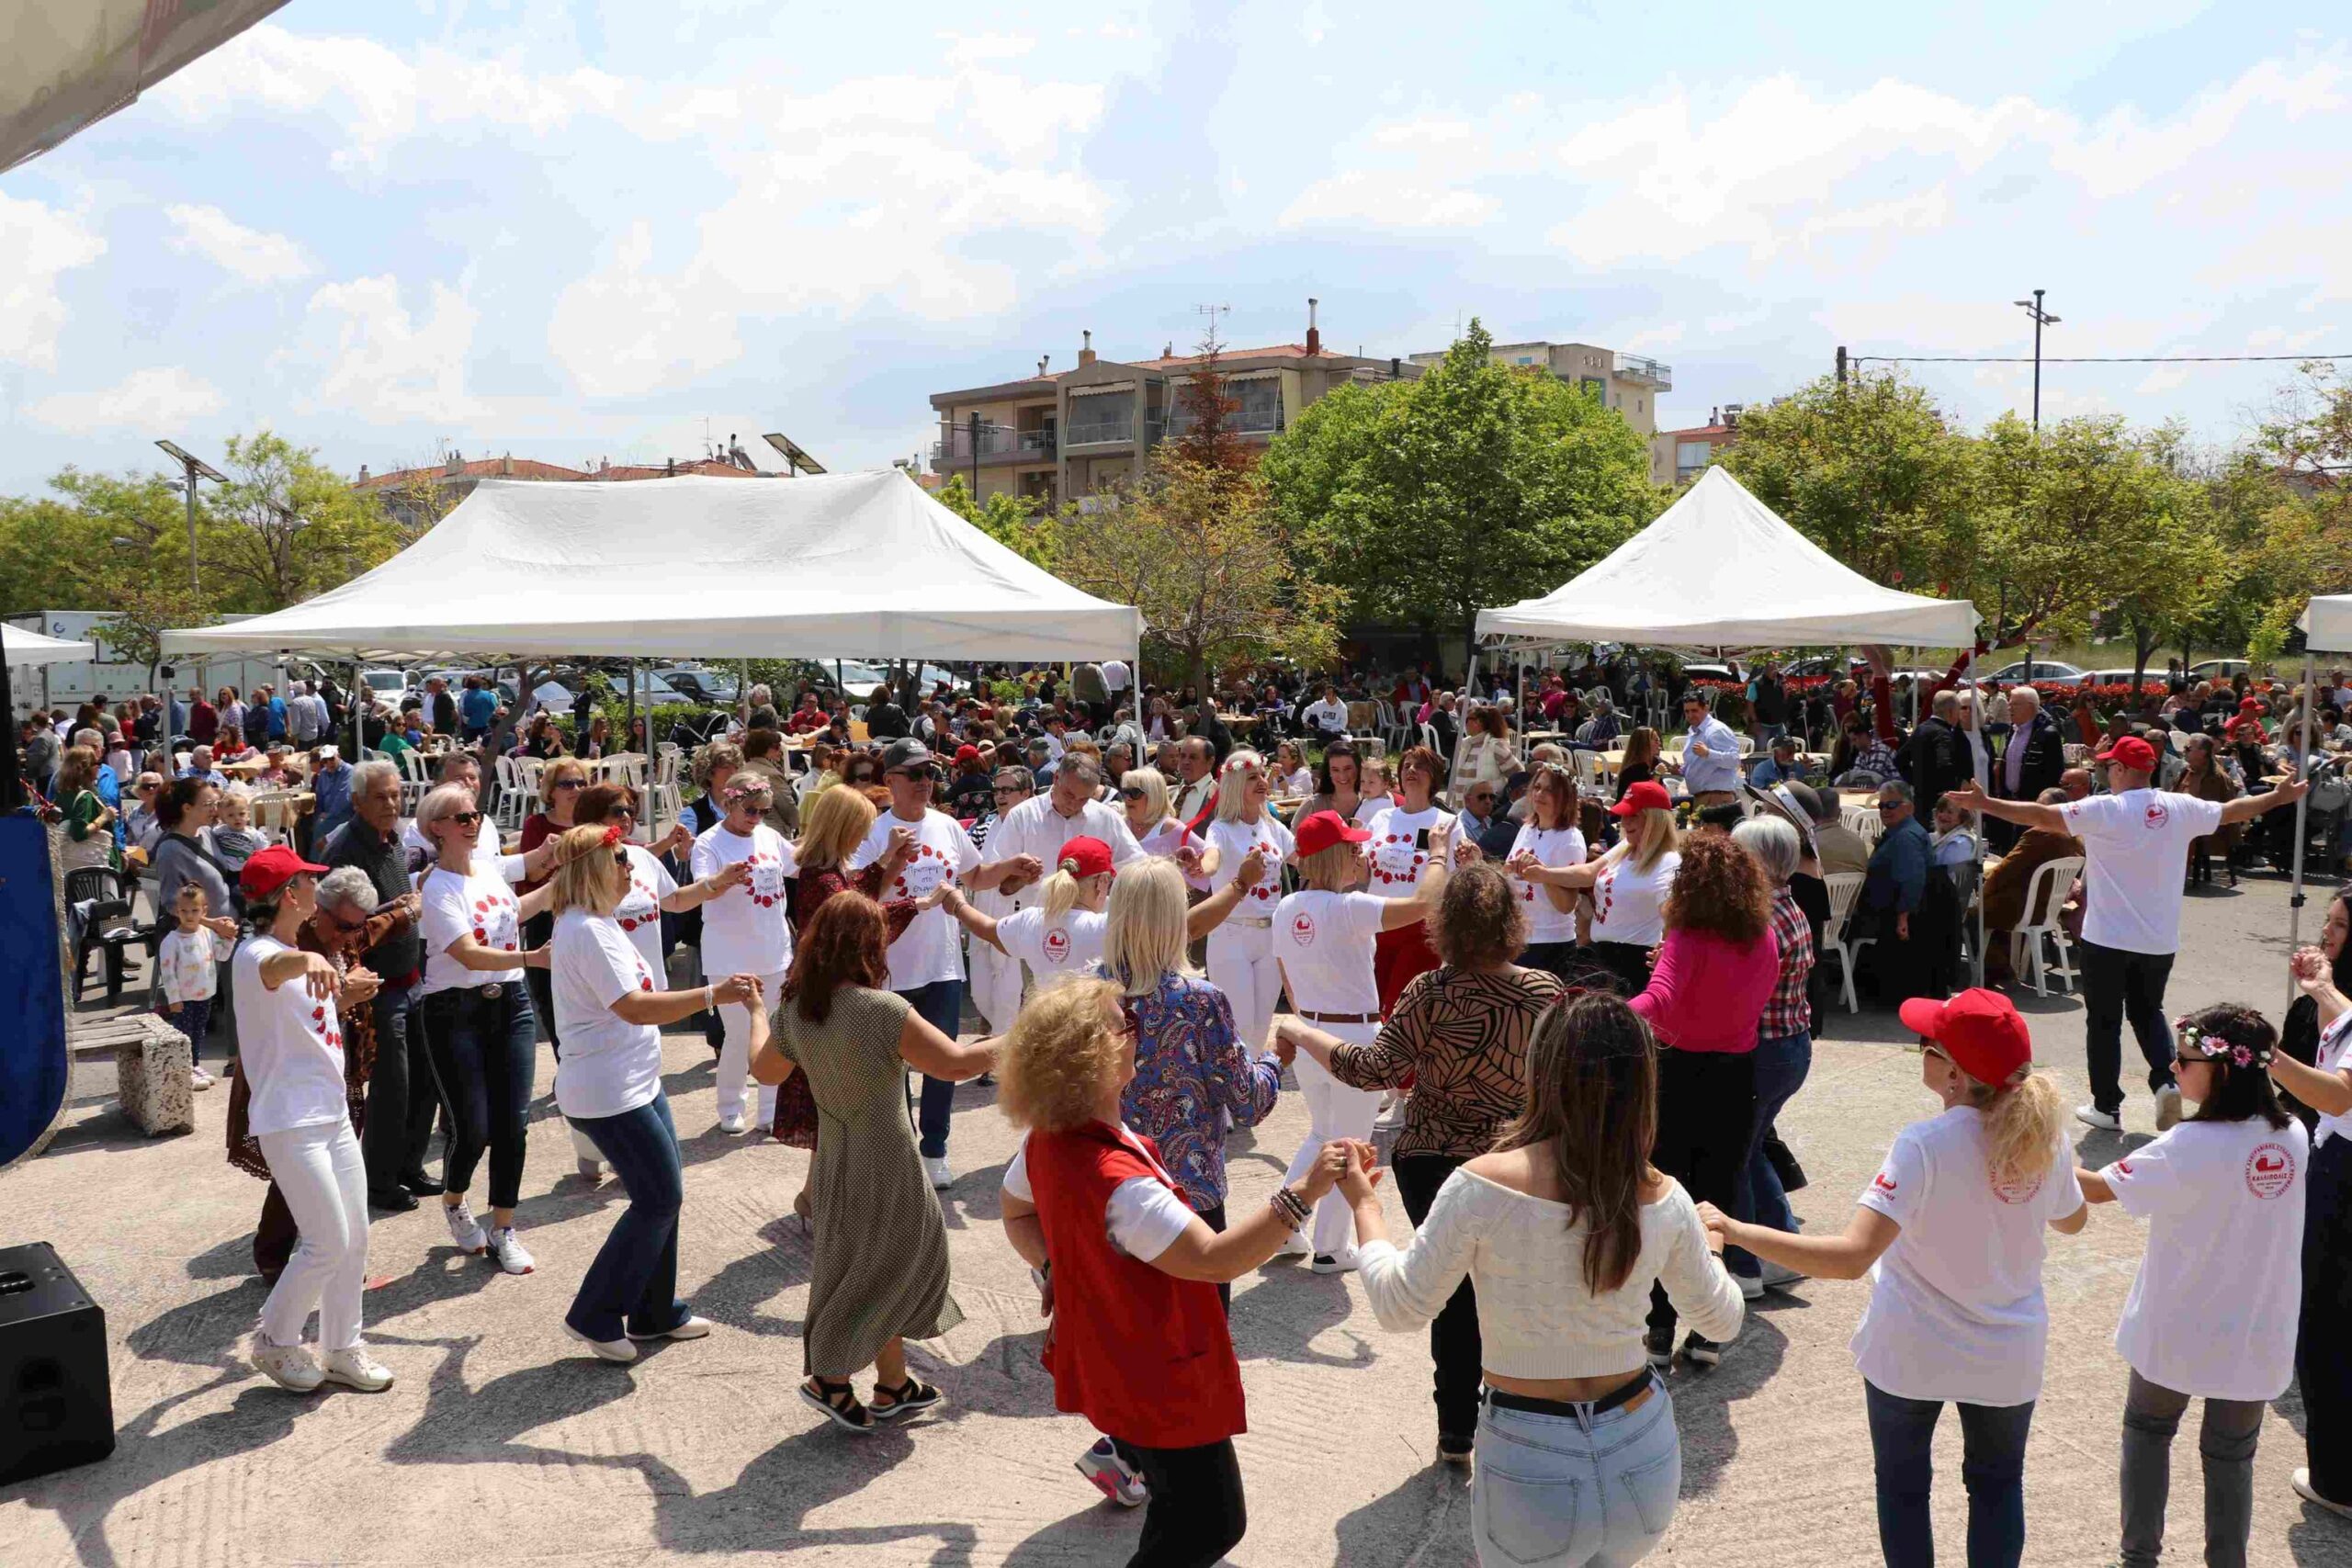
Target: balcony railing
x: 1246, y: 421
x: 1100, y: 432
x: 1633, y: 367
x: 999, y: 444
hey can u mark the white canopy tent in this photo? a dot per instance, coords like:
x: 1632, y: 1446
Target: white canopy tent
x: 824, y: 566
x: 21, y: 649
x: 2326, y: 624
x: 1719, y: 568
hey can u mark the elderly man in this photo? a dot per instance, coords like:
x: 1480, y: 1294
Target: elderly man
x: 2136, y: 840
x: 302, y: 718
x: 2006, y: 885
x: 200, y: 766
x: 1836, y: 846
x: 1196, y: 771
x: 330, y: 792
x: 346, y: 919
x: 1606, y: 729
x: 1936, y: 757
x: 2075, y: 783
x: 401, y: 1098
x: 1782, y: 766
x: 1896, y: 876
x: 1034, y: 832
x: 2034, y: 758
x: 1710, y: 752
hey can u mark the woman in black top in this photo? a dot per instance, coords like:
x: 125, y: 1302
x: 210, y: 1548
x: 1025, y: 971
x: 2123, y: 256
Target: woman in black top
x: 1640, y: 765
x: 2299, y: 1037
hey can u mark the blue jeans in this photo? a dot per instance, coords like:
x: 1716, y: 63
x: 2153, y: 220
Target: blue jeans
x: 1590, y: 1491
x: 482, y: 1049
x: 633, y: 1283
x: 1780, y: 1068
x: 1992, y: 1467
x: 941, y: 1005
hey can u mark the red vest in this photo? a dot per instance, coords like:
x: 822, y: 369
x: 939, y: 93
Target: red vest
x: 1144, y: 1356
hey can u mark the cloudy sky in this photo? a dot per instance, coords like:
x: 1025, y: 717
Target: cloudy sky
x: 572, y: 230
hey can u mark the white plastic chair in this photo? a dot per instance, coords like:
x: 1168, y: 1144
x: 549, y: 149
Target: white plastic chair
x: 1845, y: 890
x: 515, y: 798
x: 2046, y: 895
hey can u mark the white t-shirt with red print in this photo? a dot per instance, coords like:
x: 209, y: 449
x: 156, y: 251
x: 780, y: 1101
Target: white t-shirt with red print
x: 1053, y: 949
x: 1956, y: 1309
x: 289, y: 1046
x: 609, y: 1064
x: 1231, y: 841
x: 481, y: 905
x: 2214, y: 1308
x: 1555, y: 848
x: 932, y: 947
x: 2134, y: 844
x: 748, y: 928
x: 1325, y: 941
x: 1629, y: 904
x: 639, y: 913
x: 1397, y: 866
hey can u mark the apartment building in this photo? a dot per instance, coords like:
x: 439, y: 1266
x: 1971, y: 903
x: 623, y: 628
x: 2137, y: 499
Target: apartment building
x: 404, y: 491
x: 1677, y: 457
x: 1084, y: 430
x: 1626, y: 382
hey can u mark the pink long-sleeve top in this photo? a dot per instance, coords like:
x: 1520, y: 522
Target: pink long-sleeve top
x: 1707, y: 991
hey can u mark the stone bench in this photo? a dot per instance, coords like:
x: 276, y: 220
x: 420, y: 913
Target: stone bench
x: 151, y: 1062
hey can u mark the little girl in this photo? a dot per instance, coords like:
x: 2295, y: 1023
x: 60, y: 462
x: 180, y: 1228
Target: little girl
x: 189, y: 963
x: 2212, y: 1312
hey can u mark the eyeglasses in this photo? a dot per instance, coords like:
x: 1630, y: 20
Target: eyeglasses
x: 568, y: 784
x: 463, y: 818
x: 348, y: 928
x: 1126, y: 793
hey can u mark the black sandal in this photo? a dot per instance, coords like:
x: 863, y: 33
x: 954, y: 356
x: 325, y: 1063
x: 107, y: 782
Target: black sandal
x: 840, y: 1402
x: 908, y: 1397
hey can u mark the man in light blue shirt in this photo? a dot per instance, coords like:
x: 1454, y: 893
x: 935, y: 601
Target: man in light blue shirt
x: 1780, y: 767
x: 1710, y: 752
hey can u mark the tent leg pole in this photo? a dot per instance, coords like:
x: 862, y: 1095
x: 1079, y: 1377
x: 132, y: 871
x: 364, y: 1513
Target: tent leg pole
x: 2303, y: 814
x: 629, y: 743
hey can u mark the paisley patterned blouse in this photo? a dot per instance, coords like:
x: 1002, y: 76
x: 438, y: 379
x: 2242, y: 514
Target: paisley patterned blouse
x: 1193, y: 1082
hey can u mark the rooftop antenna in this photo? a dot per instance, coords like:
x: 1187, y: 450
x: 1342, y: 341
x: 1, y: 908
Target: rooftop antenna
x: 1212, y: 312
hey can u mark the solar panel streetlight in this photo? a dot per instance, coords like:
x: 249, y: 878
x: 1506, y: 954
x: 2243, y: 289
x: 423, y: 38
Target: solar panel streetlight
x: 194, y: 468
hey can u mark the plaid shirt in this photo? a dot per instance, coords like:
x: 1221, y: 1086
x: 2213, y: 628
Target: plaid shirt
x: 1789, y: 1012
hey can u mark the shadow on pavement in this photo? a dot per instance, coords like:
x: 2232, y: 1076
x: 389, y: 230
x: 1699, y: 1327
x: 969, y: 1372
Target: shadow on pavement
x: 1280, y: 1317
x: 1702, y: 1399
x: 1425, y: 1522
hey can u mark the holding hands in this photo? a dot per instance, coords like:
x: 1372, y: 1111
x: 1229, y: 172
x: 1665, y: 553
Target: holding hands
x: 1253, y: 867
x: 894, y: 857
x: 1363, y: 1174
x: 729, y: 875
x: 743, y: 989
x: 680, y: 839
x: 1721, y: 1227
x: 1331, y: 1164
x: 359, y: 987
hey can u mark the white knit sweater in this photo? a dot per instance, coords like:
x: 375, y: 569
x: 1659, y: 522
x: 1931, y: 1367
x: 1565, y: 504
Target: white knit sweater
x: 1535, y: 1317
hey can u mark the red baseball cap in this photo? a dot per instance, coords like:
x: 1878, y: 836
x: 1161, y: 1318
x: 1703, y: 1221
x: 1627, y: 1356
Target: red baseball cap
x: 272, y: 868
x: 1085, y: 856
x: 2132, y: 753
x: 1646, y: 795
x: 2250, y: 705
x: 967, y: 753
x: 1323, y: 829
x: 1981, y: 1031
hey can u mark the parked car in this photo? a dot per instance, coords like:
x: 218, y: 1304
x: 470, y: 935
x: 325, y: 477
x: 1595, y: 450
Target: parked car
x: 700, y: 684
x: 2218, y: 669
x: 2043, y: 670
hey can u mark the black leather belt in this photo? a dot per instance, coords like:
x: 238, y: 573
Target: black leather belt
x: 1624, y: 1393
x: 1340, y: 1016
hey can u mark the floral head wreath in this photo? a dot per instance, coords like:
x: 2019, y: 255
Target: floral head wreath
x: 2216, y: 1047
x: 612, y: 835
x: 744, y: 786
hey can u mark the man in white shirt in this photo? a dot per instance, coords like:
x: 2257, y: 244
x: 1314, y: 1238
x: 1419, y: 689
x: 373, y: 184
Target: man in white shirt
x: 1041, y: 825
x: 2136, y: 842
x: 302, y: 720
x: 1710, y: 752
x: 1327, y: 715
x: 1196, y: 761
x: 1117, y: 679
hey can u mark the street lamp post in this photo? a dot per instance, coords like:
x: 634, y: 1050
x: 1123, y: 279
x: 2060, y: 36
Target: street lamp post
x: 195, y: 469
x: 2041, y: 319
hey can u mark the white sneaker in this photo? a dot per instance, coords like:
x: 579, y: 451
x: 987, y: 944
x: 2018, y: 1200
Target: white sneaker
x: 619, y: 1350
x: 2092, y: 1116
x: 509, y: 1252
x: 2167, y: 1107
x: 356, y: 1369
x: 733, y: 1126
x: 936, y: 1168
x: 1295, y: 1245
x: 464, y: 1229
x: 1334, y: 1262
x: 692, y: 1328
x: 2301, y: 1482
x: 198, y: 1079
x: 288, y: 1366
x: 591, y: 1170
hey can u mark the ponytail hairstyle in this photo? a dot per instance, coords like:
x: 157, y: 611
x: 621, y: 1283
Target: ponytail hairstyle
x: 2024, y: 1119
x: 1061, y: 889
x: 2237, y: 1044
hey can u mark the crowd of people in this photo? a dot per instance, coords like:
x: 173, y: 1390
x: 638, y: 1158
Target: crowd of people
x: 1587, y: 1006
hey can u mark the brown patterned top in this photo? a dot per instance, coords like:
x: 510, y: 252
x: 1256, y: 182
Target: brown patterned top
x: 358, y: 1042
x: 1462, y: 1037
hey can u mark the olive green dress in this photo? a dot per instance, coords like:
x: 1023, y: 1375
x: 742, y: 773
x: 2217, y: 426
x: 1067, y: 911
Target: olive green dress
x: 881, y: 1266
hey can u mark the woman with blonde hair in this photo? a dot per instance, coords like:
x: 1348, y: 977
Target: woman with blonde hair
x: 1241, y: 949
x: 1143, y: 796
x: 608, y: 1085
x: 831, y: 829
x: 1950, y: 1232
x: 1292, y: 775
x: 1062, y: 932
x: 1127, y: 1268
x: 1628, y: 886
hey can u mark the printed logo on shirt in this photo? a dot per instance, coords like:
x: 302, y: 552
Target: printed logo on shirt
x: 644, y: 980
x: 2269, y: 1170
x: 496, y: 917
x: 762, y: 881
x: 2156, y: 816
x: 1057, y: 946
x: 1606, y: 887
x: 641, y: 894
x: 1883, y: 1182
x: 2015, y: 1192
x: 1395, y: 860
x: 1302, y: 929
x: 2124, y: 1166
x: 925, y: 869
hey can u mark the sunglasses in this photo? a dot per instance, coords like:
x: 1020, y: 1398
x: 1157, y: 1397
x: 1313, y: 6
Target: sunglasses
x: 1129, y: 1023
x: 464, y: 819
x: 570, y: 784
x: 1131, y: 794
x: 348, y: 928
x: 627, y: 811
x: 2181, y: 1061
x: 1890, y: 805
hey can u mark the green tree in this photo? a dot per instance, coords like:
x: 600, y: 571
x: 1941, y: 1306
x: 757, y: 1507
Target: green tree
x: 1018, y: 524
x: 142, y: 611
x: 295, y: 526
x: 1428, y: 501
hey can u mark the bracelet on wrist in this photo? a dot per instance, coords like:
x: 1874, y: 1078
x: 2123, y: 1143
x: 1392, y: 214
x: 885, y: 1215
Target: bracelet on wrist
x: 1289, y: 1207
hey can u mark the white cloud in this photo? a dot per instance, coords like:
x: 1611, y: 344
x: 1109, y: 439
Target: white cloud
x: 1360, y: 198
x: 373, y: 358
x: 38, y: 244
x: 253, y: 254
x: 145, y: 399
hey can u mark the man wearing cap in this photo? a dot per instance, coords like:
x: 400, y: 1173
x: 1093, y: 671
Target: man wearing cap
x: 927, y: 959
x: 1710, y: 752
x: 2135, y: 839
x: 1782, y: 766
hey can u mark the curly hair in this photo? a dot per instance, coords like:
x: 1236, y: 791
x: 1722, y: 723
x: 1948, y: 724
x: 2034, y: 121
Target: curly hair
x: 1479, y: 918
x: 1720, y: 888
x: 847, y: 943
x: 1059, y: 1057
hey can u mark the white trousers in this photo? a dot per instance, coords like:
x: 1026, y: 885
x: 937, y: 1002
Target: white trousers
x: 1242, y: 965
x: 735, y: 1056
x: 1334, y: 1111
x: 324, y: 1180
x: 995, y: 984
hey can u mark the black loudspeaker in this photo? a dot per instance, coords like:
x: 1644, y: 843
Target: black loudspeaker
x: 56, y: 1399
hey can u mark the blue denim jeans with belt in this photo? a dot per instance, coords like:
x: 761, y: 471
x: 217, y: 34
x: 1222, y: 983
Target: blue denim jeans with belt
x: 632, y: 1285
x: 1577, y: 1489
